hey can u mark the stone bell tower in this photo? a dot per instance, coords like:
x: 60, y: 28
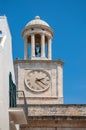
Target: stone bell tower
x: 37, y: 36
x: 40, y: 77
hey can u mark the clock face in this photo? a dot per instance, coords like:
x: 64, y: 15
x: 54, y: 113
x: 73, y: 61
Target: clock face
x: 37, y: 80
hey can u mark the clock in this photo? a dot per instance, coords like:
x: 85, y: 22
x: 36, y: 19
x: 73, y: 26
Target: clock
x: 37, y: 80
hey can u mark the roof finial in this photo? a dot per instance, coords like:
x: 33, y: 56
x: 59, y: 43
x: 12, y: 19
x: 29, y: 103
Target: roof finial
x: 37, y: 17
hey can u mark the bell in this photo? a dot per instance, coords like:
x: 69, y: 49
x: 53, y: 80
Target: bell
x: 37, y: 50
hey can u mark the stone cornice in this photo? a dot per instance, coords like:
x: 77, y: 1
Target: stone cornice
x: 37, y: 26
x: 17, y: 61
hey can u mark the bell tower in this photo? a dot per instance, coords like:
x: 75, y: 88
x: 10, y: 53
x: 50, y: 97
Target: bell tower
x: 40, y: 77
x: 37, y: 36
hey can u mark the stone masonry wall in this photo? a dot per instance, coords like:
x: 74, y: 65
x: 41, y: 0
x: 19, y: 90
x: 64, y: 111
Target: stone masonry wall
x: 57, y: 110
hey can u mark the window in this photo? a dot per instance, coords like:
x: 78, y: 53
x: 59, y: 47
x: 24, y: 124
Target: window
x: 0, y: 32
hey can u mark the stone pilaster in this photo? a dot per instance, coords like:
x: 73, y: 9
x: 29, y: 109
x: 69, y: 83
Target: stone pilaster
x: 60, y: 80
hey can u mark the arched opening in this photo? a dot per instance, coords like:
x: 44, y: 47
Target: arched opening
x: 29, y: 47
x: 46, y: 46
x: 37, y: 45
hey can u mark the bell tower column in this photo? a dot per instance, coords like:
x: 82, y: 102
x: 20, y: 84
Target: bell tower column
x: 49, y: 49
x: 32, y: 45
x: 42, y: 45
x: 25, y: 49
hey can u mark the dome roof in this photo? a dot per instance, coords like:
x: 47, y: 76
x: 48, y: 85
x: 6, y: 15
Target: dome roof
x: 37, y: 21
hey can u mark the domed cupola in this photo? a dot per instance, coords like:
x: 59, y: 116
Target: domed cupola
x: 37, y: 36
x: 37, y: 21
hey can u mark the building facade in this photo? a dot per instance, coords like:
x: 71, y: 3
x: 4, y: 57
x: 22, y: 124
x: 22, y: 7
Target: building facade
x: 6, y: 66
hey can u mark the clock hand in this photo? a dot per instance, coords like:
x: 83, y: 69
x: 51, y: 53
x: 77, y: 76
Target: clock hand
x: 41, y: 81
x: 39, y: 84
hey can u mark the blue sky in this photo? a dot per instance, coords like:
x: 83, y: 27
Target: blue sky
x: 68, y: 20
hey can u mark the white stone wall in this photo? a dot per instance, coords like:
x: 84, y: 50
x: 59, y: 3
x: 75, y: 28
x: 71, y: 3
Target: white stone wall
x: 6, y: 66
